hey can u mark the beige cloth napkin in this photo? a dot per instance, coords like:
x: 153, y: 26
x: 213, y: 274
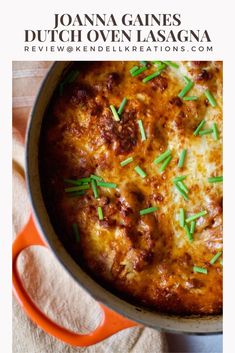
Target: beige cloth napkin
x: 48, y: 284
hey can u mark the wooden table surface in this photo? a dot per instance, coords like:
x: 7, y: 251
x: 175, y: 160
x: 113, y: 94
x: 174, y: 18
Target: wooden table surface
x: 26, y: 79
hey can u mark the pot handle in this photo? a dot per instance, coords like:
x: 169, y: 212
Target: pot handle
x: 110, y: 323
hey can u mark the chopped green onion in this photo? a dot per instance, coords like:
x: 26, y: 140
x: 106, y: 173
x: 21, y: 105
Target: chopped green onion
x: 133, y: 69
x: 143, y: 63
x: 126, y: 161
x: 71, y: 76
x: 186, y: 79
x: 77, y: 188
x: 100, y: 213
x: 148, y: 210
x: 171, y: 63
x: 162, y: 156
x: 73, y: 182
x: 142, y: 132
x: 186, y: 89
x: 138, y: 71
x: 61, y: 89
x: 202, y: 123
x: 140, y: 171
x: 76, y: 231
x: 107, y: 185
x: 78, y: 181
x: 160, y: 65
x: 182, y: 158
x: 205, y: 132
x: 221, y: 262
x: 122, y: 105
x: 192, y: 227
x: 115, y: 114
x: 215, y: 258
x: 190, y: 236
x: 183, y: 193
x: 157, y: 63
x: 76, y: 193
x: 210, y: 98
x: 150, y: 77
x: 196, y: 216
x: 190, y: 98
x: 182, y: 217
x: 95, y: 177
x: 94, y: 188
x: 200, y: 270
x: 165, y: 164
x: 215, y: 131
x: 180, y: 178
x: 183, y: 186
x: 217, y: 179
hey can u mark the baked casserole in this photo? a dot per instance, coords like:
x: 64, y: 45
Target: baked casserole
x: 131, y: 173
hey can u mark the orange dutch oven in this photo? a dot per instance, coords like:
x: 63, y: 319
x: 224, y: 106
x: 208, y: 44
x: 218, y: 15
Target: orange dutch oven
x: 118, y: 314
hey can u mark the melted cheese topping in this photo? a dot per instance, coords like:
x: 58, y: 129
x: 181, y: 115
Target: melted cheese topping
x: 146, y: 258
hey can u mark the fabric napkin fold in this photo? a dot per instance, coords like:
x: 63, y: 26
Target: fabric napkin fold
x: 46, y: 281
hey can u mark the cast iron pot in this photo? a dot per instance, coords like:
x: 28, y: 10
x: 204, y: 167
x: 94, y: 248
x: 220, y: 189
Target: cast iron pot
x: 39, y: 231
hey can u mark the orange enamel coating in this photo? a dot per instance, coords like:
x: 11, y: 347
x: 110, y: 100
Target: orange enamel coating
x: 110, y: 323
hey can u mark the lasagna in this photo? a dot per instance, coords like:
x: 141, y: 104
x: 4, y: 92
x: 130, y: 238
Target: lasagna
x: 131, y: 173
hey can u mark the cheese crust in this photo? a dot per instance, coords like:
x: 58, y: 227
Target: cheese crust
x: 148, y: 259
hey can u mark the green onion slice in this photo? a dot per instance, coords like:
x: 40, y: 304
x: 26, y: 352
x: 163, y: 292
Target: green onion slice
x: 126, y: 161
x: 210, y: 98
x: 182, y: 192
x: 77, y: 188
x: 180, y: 178
x: 61, y: 89
x: 215, y: 131
x: 71, y: 76
x: 182, y: 158
x: 148, y: 210
x: 160, y: 65
x: 190, y: 98
x: 138, y: 71
x: 76, y: 231
x: 94, y: 188
x: 171, y: 63
x: 100, y: 213
x: 106, y: 185
x: 182, y: 217
x: 200, y: 126
x: 140, y: 171
x: 192, y: 227
x: 76, y: 193
x: 133, y: 69
x: 215, y: 258
x: 122, y: 105
x: 190, y: 236
x: 115, y: 114
x: 150, y: 77
x: 217, y: 179
x: 77, y: 181
x: 196, y: 216
x: 165, y: 164
x: 96, y: 177
x: 200, y: 270
x: 186, y: 89
x: 205, y: 132
x: 183, y: 186
x: 162, y: 156
x: 142, y: 132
